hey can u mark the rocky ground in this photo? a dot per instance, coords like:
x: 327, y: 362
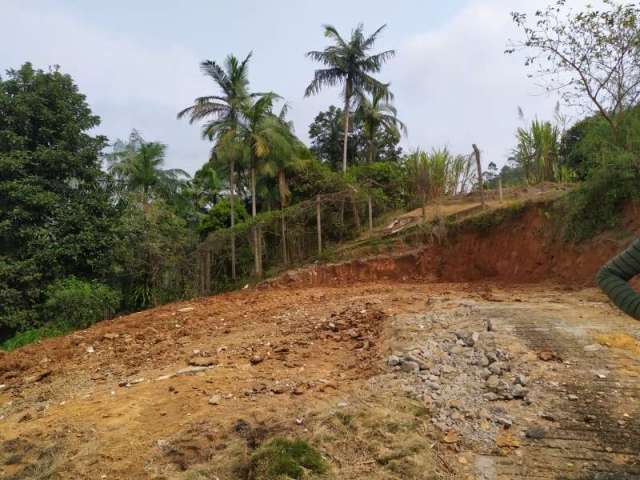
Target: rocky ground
x: 387, y: 380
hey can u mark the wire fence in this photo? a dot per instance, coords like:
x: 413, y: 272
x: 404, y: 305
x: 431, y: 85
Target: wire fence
x: 285, y: 237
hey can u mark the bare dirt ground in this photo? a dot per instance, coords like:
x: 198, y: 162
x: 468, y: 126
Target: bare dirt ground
x: 389, y: 380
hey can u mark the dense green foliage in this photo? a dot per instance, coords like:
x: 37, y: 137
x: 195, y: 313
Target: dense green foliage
x: 367, y: 143
x: 72, y: 303
x: 597, y: 204
x: 57, y: 218
x: 219, y: 216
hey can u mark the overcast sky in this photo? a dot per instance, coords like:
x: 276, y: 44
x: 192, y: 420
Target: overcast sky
x: 138, y: 62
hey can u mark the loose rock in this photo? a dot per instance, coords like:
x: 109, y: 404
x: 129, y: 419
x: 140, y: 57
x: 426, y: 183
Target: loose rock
x: 256, y: 359
x: 410, y: 367
x: 393, y: 361
x: 203, y: 361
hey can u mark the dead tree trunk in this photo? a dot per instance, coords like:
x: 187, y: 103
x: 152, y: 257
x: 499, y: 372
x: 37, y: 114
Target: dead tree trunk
x: 476, y: 150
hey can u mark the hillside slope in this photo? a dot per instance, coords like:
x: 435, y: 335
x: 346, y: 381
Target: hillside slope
x: 481, y: 357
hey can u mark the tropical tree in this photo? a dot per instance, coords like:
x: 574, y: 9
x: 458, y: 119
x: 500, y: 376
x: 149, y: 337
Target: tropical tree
x: 206, y: 186
x: 591, y: 57
x: 137, y: 164
x: 264, y: 134
x: 222, y: 115
x: 57, y: 215
x: 349, y: 64
x: 292, y: 154
x: 377, y: 114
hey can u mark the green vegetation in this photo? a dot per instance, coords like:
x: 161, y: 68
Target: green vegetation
x: 597, y: 204
x: 90, y: 229
x: 73, y: 303
x: 57, y: 217
x: 348, y: 63
x: 282, y: 459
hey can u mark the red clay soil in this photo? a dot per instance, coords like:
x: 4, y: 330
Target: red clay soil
x: 518, y: 251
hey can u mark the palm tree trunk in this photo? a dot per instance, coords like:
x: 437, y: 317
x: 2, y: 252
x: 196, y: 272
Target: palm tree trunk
x: 233, y: 219
x: 283, y: 203
x: 256, y: 239
x: 347, y: 98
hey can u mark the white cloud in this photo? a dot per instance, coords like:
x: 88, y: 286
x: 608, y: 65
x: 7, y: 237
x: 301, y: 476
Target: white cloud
x: 127, y: 82
x: 455, y: 85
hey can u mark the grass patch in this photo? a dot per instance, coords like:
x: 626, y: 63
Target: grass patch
x: 34, y: 335
x: 282, y: 459
x: 487, y: 221
x: 385, y: 438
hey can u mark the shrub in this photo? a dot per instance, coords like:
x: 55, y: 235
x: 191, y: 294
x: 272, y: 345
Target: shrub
x: 33, y: 335
x: 285, y: 459
x: 74, y: 303
x: 386, y: 180
x: 219, y: 216
x: 596, y: 205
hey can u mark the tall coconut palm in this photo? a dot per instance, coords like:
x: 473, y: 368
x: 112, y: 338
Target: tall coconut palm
x: 138, y: 165
x: 377, y: 113
x: 222, y: 114
x: 287, y: 155
x: 263, y: 133
x: 350, y: 65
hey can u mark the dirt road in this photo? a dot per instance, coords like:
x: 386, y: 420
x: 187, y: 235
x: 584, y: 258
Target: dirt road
x: 388, y: 380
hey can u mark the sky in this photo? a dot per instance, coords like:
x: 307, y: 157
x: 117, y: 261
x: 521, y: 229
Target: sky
x: 138, y: 62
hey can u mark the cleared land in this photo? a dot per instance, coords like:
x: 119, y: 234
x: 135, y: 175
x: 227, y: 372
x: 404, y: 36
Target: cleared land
x: 440, y: 363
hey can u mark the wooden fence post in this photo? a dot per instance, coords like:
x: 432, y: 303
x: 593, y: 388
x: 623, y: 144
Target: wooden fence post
x: 207, y: 272
x: 370, y: 215
x: 285, y: 258
x: 476, y: 150
x: 319, y: 223
x: 500, y: 188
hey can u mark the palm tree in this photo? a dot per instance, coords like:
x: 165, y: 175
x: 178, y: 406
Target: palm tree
x: 264, y: 134
x: 138, y: 165
x: 375, y: 113
x: 222, y: 114
x: 287, y: 155
x: 349, y: 64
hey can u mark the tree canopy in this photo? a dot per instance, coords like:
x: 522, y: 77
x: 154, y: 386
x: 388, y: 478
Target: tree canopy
x: 56, y: 214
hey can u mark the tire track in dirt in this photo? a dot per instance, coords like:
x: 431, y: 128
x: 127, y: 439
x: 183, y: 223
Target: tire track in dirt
x: 596, y: 433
